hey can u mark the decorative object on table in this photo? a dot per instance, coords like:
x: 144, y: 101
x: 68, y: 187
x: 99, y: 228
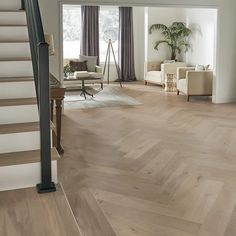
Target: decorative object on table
x: 170, y: 83
x: 175, y: 36
x: 194, y: 83
x: 50, y: 42
x: 67, y: 70
x: 110, y: 37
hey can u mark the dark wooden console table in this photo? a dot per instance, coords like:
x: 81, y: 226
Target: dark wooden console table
x: 57, y: 96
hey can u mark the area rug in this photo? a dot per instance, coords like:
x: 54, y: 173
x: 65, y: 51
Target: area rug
x: 110, y: 96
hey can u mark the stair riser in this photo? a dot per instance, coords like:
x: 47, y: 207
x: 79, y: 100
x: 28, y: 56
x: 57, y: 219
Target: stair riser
x: 10, y: 5
x: 12, y: 18
x: 23, y: 176
x: 18, y: 142
x: 16, y: 68
x: 19, y: 114
x: 10, y: 90
x: 10, y: 33
x: 13, y: 50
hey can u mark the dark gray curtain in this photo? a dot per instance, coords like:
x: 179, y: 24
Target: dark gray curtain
x: 126, y: 44
x: 90, y: 31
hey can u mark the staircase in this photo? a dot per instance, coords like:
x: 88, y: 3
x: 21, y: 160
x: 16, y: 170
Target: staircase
x: 20, y: 165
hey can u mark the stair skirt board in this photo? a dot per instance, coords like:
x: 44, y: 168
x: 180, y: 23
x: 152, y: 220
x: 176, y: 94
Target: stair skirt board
x: 17, y: 142
x: 12, y: 18
x: 23, y: 176
x: 10, y: 90
x: 12, y: 50
x: 13, y: 33
x: 10, y: 5
x: 15, y: 68
x: 19, y: 114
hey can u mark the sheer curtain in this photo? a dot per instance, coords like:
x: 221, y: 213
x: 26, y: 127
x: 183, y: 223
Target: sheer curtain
x: 90, y: 31
x: 126, y: 44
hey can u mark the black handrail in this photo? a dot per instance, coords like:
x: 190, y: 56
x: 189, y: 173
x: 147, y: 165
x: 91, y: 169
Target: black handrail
x: 40, y: 62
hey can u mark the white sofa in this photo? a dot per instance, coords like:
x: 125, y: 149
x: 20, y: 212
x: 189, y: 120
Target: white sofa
x: 194, y: 83
x: 156, y: 71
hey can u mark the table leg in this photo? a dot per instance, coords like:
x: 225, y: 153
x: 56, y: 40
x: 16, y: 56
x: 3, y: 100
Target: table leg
x: 58, y: 125
x: 84, y: 91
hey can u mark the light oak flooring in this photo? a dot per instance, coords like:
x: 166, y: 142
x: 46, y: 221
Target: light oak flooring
x: 26, y: 213
x: 163, y: 168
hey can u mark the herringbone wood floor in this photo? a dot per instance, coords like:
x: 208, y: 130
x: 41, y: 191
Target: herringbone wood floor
x: 164, y: 168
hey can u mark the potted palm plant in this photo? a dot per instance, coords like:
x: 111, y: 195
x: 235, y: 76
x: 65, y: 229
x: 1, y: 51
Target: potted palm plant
x: 175, y: 36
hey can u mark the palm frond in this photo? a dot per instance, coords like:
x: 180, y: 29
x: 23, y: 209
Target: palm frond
x: 155, y: 27
x: 160, y: 42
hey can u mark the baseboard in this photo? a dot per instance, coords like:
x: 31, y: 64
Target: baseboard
x: 224, y: 100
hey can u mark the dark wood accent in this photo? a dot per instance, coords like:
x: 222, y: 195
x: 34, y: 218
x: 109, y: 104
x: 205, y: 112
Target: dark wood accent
x: 177, y: 92
x: 188, y: 97
x: 57, y: 96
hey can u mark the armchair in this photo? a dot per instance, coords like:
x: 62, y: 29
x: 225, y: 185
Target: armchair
x: 194, y: 83
x: 156, y: 71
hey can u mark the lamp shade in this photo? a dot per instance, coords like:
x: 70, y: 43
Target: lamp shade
x: 50, y: 42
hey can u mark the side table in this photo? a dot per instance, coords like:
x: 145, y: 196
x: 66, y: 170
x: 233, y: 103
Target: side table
x: 57, y: 96
x: 170, y: 83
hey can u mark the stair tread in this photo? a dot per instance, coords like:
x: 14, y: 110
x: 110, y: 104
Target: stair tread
x: 26, y: 157
x: 19, y: 128
x: 13, y: 25
x: 16, y: 79
x: 12, y: 11
x: 16, y: 59
x: 16, y: 41
x: 17, y: 102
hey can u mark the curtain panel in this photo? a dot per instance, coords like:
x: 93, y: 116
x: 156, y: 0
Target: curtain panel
x: 90, y: 31
x: 126, y: 44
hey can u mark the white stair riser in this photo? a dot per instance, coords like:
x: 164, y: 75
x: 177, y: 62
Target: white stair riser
x: 12, y: 18
x: 12, y: 50
x: 16, y: 68
x: 19, y: 114
x: 18, y: 142
x: 23, y: 176
x: 10, y: 33
x: 10, y: 4
x: 10, y: 90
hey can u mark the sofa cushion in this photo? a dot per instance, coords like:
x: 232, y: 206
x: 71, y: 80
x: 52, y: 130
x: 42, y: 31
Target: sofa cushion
x: 154, y: 77
x: 182, y: 85
x: 91, y: 62
x: 78, y: 65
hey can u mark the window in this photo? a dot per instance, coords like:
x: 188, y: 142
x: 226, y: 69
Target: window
x: 108, y: 24
x: 71, y: 31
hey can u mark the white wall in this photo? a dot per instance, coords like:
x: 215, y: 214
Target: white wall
x: 164, y: 16
x: 225, y: 83
x: 203, y: 40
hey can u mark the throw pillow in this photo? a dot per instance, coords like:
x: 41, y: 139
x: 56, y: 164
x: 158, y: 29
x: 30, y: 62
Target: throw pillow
x: 207, y: 67
x: 200, y: 68
x: 91, y: 62
x: 78, y: 65
x: 169, y: 61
